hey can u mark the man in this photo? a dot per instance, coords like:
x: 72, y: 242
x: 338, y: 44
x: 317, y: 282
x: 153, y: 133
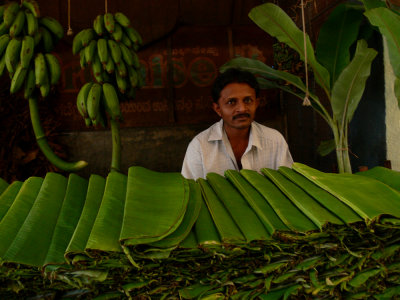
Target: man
x: 236, y: 141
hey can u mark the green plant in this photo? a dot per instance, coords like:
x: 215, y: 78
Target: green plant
x: 340, y: 75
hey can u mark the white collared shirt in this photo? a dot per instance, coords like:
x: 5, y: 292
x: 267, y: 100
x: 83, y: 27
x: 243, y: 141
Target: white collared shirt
x: 211, y: 151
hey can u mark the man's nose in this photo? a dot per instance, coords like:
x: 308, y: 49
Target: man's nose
x: 241, y: 106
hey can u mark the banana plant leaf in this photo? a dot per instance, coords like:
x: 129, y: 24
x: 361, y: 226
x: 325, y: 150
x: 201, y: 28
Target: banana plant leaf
x: 273, y: 20
x: 333, y: 204
x: 107, y: 226
x: 337, y: 34
x: 290, y: 215
x: 311, y: 208
x: 368, y: 197
x: 243, y: 215
x: 191, y: 215
x: 385, y: 175
x: 3, y: 185
x: 32, y: 242
x: 264, y: 211
x: 204, y: 228
x: 388, y: 23
x: 18, y: 212
x: 155, y: 205
x: 228, y: 230
x: 190, y: 242
x: 8, y: 196
x: 91, y: 207
x: 69, y: 216
x: 349, y: 87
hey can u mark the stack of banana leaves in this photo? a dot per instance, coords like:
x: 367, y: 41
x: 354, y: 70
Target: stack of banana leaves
x: 275, y: 234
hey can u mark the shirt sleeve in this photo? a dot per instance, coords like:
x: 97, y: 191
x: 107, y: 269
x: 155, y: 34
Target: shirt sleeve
x: 192, y: 167
x: 285, y: 158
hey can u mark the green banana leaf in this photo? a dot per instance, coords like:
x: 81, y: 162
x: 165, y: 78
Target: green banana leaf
x: 326, y: 147
x: 264, y: 211
x: 190, y: 242
x: 7, y: 197
x: 228, y: 230
x: 273, y: 20
x: 385, y: 175
x: 155, y: 205
x: 107, y: 226
x: 370, y: 4
x: 91, y: 207
x: 388, y: 23
x: 349, y: 87
x: 290, y: 215
x: 337, y: 34
x: 3, y: 185
x: 368, y: 197
x: 204, y: 228
x: 333, y: 204
x: 18, y: 212
x: 243, y: 215
x: 32, y: 242
x: 311, y: 208
x: 69, y: 216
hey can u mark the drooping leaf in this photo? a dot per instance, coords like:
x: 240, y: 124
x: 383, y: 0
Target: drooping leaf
x: 206, y: 232
x: 387, y: 176
x: 3, y: 185
x: 335, y: 37
x: 349, y: 87
x: 273, y: 20
x: 8, y: 196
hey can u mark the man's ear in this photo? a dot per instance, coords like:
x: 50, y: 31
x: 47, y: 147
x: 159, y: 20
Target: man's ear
x: 216, y: 108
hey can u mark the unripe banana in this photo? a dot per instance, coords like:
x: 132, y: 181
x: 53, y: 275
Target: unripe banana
x: 3, y: 28
x: 41, y: 76
x: 2, y: 9
x: 102, y: 51
x: 126, y: 40
x: 82, y: 59
x: 115, y: 51
x: 110, y: 66
x: 18, y: 79
x: 93, y: 101
x: 88, y: 122
x: 90, y: 51
x: 12, y: 54
x: 117, y: 34
x: 81, y: 99
x: 18, y: 24
x: 27, y: 48
x: 98, y: 25
x: 2, y: 64
x: 31, y: 23
x: 111, y: 101
x: 121, y: 68
x: 82, y: 39
x: 53, y: 26
x: 126, y: 55
x: 133, y: 35
x: 136, y: 61
x: 10, y: 13
x: 122, y: 19
x: 47, y: 40
x: 121, y: 82
x: 4, y: 40
x: 133, y: 76
x: 45, y: 89
x: 109, y: 22
x: 97, y: 69
x: 38, y: 36
x: 32, y: 6
x: 53, y: 67
x: 29, y: 83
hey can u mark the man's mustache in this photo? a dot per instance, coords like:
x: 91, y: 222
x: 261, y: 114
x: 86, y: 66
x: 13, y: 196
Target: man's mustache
x: 241, y: 115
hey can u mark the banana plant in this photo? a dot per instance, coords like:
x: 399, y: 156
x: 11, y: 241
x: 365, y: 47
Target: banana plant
x: 340, y: 75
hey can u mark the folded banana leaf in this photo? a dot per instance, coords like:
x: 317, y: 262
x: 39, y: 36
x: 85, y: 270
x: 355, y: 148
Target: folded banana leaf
x: 264, y: 211
x: 32, y: 242
x: 290, y: 215
x: 155, y: 205
x: 228, y: 230
x: 91, y: 207
x: 7, y: 197
x: 368, y: 197
x: 3, y: 185
x: 243, y: 215
x: 18, y: 212
x: 107, y: 226
x: 385, y: 175
x: 344, y: 212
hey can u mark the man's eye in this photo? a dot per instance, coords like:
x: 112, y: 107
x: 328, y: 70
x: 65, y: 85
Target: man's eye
x: 231, y: 101
x: 248, y: 100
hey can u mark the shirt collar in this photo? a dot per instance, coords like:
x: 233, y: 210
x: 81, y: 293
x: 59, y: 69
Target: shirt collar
x: 216, y: 134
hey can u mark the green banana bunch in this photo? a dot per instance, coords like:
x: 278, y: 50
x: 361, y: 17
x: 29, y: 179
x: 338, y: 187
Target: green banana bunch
x: 111, y: 101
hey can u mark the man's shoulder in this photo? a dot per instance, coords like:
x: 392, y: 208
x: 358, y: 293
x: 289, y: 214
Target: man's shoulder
x: 208, y: 133
x: 267, y: 132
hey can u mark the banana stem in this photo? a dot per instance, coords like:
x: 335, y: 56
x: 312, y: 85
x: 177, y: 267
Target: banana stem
x: 116, y: 146
x: 43, y: 144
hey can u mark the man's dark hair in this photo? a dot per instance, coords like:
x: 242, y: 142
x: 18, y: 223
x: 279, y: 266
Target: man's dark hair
x: 233, y: 75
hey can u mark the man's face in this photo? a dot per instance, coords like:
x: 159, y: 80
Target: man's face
x: 237, y: 105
